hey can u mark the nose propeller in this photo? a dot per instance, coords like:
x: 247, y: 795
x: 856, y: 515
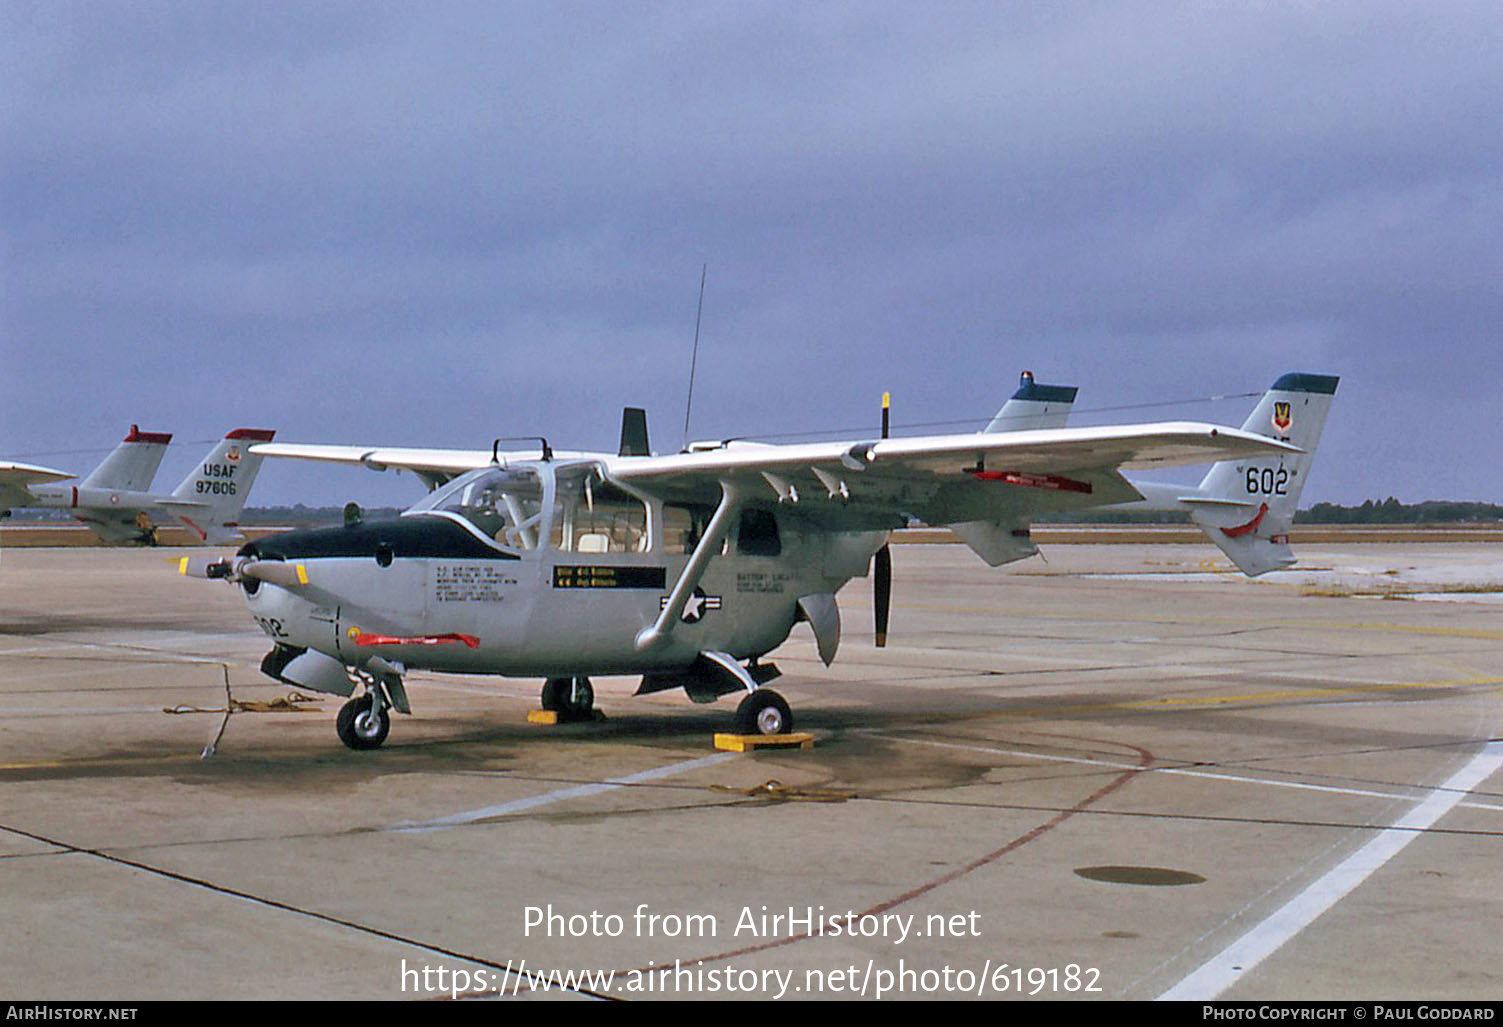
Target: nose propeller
x: 239, y: 568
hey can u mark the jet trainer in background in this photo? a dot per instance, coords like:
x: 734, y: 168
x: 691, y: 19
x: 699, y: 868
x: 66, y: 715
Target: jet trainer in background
x: 688, y: 569
x: 114, y: 501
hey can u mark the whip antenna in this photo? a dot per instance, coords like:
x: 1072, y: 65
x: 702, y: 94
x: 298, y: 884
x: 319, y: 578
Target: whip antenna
x: 694, y: 357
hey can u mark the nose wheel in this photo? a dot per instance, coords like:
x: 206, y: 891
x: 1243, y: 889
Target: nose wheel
x: 363, y: 723
x: 764, y: 712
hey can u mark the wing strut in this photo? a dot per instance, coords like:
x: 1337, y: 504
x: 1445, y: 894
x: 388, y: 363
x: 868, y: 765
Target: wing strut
x: 715, y: 533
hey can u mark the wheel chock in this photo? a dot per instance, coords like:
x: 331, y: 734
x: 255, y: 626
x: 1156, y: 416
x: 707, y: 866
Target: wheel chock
x: 553, y: 717
x: 749, y: 743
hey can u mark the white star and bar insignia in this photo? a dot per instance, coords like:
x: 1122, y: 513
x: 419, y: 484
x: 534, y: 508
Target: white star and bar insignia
x: 696, y: 606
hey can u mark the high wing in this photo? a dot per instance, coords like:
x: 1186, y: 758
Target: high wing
x: 433, y: 466
x: 945, y: 479
x: 877, y: 483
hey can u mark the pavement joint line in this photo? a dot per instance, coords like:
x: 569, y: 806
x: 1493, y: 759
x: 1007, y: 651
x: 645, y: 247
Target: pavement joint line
x: 1242, y: 956
x: 466, y: 817
x: 1348, y: 693
x: 102, y: 761
x: 1183, y: 772
x: 287, y: 907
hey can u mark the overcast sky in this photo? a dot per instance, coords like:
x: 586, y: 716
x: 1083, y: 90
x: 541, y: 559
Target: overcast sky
x: 432, y: 224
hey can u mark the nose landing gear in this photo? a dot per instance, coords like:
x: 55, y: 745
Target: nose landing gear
x: 363, y: 722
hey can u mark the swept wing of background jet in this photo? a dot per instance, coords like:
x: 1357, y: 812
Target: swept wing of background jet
x: 16, y: 480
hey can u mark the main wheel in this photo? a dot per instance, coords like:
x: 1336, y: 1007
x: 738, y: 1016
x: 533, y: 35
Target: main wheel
x: 359, y: 727
x: 570, y: 698
x: 581, y: 701
x: 556, y: 695
x: 764, y: 712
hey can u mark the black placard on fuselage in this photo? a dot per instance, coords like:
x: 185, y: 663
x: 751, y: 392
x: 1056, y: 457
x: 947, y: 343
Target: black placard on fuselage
x: 595, y: 576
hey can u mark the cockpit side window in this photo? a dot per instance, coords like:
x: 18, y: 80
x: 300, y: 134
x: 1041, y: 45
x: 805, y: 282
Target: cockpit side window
x: 505, y: 505
x: 594, y: 516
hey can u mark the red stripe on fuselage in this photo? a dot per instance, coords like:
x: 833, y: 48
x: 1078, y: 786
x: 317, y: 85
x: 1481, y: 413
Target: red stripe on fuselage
x: 468, y: 640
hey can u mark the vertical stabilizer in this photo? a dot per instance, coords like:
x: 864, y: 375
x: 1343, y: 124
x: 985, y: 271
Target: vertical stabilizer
x: 1247, y: 506
x: 1034, y: 406
x: 634, y: 432
x: 132, y: 465
x: 219, y: 485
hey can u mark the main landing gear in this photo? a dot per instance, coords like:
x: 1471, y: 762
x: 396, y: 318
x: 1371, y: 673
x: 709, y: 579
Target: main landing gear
x: 764, y: 712
x: 570, y: 698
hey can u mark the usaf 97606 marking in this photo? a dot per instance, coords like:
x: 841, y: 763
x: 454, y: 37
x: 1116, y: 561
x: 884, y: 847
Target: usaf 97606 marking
x: 689, y: 569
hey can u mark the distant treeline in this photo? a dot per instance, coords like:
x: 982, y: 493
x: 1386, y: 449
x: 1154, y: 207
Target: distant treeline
x: 1391, y: 511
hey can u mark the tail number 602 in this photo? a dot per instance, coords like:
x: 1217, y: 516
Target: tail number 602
x: 1267, y: 481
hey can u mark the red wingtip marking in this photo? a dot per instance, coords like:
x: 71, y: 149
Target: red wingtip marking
x: 1248, y: 528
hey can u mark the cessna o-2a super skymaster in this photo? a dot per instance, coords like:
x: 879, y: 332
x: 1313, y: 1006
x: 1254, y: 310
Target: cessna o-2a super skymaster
x: 688, y: 569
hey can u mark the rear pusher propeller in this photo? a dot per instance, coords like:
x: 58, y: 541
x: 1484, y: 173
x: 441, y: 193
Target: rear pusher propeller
x: 882, y: 569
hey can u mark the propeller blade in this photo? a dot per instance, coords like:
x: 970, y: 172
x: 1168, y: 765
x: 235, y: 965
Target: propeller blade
x: 205, y: 566
x: 882, y: 575
x: 275, y: 572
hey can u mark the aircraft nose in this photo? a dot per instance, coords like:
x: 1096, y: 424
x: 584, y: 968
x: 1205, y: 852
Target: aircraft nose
x: 424, y: 536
